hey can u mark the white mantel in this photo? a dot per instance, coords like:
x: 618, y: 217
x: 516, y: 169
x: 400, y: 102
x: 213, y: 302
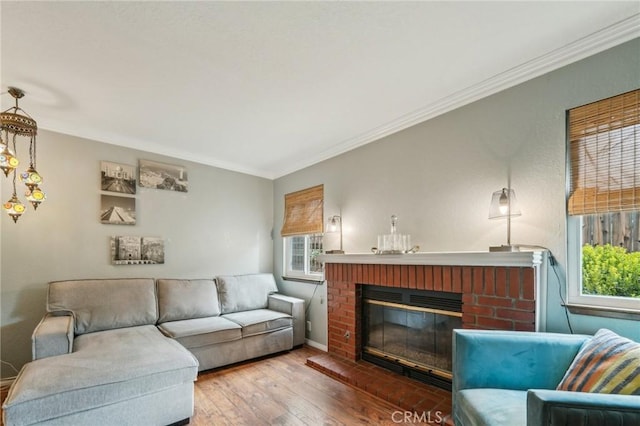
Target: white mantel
x: 459, y: 258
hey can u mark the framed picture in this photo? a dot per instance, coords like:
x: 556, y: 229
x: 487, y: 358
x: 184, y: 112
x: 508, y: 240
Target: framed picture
x: 117, y: 210
x: 130, y: 250
x: 163, y: 176
x: 116, y: 177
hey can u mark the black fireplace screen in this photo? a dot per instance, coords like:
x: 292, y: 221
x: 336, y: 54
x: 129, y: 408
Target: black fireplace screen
x: 415, y: 336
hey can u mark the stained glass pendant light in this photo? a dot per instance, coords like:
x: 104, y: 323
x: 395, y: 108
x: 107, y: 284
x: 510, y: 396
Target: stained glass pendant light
x: 8, y: 161
x: 16, y: 122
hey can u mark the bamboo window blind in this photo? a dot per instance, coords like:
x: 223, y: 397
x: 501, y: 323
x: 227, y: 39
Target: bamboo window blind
x: 604, y: 146
x: 303, y: 212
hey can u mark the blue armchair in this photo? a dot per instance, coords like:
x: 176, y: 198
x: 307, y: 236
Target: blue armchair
x: 509, y: 378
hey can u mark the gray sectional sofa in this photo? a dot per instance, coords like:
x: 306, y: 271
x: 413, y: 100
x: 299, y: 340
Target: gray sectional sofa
x: 127, y: 351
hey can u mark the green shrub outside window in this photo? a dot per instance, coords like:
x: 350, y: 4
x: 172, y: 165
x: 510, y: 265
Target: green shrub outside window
x: 610, y: 271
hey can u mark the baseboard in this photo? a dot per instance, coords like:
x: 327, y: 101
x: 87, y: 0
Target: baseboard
x: 316, y: 345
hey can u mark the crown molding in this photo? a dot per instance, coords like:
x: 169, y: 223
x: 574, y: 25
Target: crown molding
x: 606, y: 38
x: 150, y: 147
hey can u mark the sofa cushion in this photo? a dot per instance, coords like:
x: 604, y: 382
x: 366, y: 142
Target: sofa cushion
x: 105, y: 368
x: 186, y: 299
x: 198, y: 332
x: 105, y: 304
x: 491, y: 407
x: 245, y: 292
x: 607, y: 363
x: 259, y: 321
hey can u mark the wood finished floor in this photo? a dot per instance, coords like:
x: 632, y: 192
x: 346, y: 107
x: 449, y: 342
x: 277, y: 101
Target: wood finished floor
x: 282, y: 390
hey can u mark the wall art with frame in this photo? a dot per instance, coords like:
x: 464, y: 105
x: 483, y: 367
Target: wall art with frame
x: 115, y: 177
x: 162, y: 176
x: 117, y: 210
x: 133, y: 250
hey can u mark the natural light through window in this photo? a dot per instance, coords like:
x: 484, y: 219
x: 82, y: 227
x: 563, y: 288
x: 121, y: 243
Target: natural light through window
x: 300, y: 256
x: 604, y: 203
x: 302, y: 231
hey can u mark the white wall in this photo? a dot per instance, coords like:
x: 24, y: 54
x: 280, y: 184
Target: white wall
x: 221, y: 226
x: 438, y: 177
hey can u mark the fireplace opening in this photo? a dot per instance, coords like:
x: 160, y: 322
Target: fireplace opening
x: 410, y: 331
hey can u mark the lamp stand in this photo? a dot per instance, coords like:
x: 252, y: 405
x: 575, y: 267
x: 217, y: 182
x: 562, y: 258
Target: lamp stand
x: 508, y: 247
x: 339, y: 220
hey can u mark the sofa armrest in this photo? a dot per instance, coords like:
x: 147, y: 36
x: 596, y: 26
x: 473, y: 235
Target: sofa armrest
x: 549, y: 407
x: 52, y: 336
x: 515, y: 360
x: 294, y: 307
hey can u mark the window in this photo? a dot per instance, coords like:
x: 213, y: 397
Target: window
x: 300, y: 256
x: 604, y: 203
x: 302, y: 233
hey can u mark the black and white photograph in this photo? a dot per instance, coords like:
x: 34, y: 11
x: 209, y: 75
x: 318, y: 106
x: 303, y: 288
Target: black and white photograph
x: 117, y: 210
x: 163, y: 176
x: 131, y: 250
x: 116, y: 177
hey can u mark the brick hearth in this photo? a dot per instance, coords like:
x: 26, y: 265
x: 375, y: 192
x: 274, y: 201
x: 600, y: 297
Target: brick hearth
x: 407, y: 394
x: 493, y: 297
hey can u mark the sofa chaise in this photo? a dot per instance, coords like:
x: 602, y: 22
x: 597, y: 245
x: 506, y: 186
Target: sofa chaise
x: 127, y: 351
x: 508, y: 378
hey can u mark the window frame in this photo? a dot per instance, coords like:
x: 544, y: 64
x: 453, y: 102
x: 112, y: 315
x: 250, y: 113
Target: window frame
x: 575, y: 298
x: 614, y: 306
x: 295, y: 275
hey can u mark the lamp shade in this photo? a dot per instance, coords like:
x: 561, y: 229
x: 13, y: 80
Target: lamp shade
x: 504, y: 204
x: 333, y: 224
x: 333, y: 235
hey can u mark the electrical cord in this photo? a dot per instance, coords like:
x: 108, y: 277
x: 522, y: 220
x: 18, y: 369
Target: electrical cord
x: 306, y: 312
x: 8, y: 378
x: 554, y: 265
x: 552, y: 261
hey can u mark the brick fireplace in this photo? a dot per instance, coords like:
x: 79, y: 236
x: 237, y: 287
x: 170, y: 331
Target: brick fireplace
x: 499, y: 290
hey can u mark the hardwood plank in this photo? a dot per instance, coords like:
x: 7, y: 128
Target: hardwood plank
x: 305, y: 395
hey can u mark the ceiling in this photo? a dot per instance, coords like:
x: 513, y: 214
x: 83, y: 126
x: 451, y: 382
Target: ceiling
x: 267, y: 88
